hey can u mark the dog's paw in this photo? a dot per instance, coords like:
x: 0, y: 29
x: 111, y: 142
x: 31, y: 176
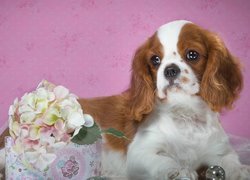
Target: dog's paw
x: 242, y: 173
x: 182, y: 174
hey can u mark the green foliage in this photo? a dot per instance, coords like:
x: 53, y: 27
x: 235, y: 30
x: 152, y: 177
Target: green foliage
x: 115, y: 133
x: 87, y: 135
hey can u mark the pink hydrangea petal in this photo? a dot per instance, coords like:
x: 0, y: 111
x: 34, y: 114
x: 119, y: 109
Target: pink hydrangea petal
x: 66, y: 138
x: 28, y: 143
x: 36, y: 144
x: 24, y: 133
x: 46, y: 130
x: 59, y: 125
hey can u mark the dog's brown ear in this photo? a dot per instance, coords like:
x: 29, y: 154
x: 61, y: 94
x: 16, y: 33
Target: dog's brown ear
x: 141, y: 92
x: 222, y: 80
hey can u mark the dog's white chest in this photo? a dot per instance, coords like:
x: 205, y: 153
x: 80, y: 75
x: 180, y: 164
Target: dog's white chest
x: 182, y: 123
x: 183, y: 130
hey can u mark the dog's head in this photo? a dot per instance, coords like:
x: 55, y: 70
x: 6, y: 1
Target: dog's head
x: 182, y: 56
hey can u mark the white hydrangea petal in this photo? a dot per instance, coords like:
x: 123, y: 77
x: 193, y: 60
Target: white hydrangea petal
x: 28, y: 99
x: 24, y: 97
x: 73, y: 96
x: 41, y: 105
x: 47, y: 140
x: 61, y: 92
x: 46, y: 84
x: 42, y: 93
x: 75, y: 119
x: 65, y: 112
x: 51, y: 116
x: 76, y: 131
x: 15, y: 128
x: 89, y: 121
x: 27, y: 117
x: 13, y: 107
x: 75, y: 102
x: 24, y: 108
x: 42, y: 83
x: 34, y: 133
x: 66, y: 102
x: 51, y: 96
x: 12, y: 110
x: 15, y: 102
x: 11, y: 122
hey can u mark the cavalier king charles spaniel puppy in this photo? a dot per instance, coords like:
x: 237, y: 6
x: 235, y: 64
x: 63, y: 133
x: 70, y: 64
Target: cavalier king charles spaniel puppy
x: 183, y: 76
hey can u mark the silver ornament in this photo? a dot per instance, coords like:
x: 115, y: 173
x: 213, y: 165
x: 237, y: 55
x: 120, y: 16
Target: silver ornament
x: 215, y: 173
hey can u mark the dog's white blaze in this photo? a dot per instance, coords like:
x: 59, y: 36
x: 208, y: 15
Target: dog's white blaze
x: 168, y: 35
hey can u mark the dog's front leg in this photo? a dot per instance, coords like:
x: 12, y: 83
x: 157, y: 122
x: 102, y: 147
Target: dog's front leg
x: 233, y: 168
x: 145, y: 163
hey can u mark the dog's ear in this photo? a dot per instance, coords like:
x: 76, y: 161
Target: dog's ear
x: 222, y: 80
x: 142, y: 88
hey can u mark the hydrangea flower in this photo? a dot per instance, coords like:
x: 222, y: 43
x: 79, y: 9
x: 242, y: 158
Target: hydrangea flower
x: 43, y: 121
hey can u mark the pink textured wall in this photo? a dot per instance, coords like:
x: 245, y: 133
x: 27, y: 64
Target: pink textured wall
x: 88, y: 45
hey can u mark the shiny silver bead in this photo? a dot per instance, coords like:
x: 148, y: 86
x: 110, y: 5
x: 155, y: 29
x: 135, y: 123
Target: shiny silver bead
x: 215, y: 173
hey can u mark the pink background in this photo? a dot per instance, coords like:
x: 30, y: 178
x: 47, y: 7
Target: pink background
x: 88, y: 45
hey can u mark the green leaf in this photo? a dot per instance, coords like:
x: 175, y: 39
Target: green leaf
x: 81, y: 135
x: 115, y: 133
x: 87, y: 135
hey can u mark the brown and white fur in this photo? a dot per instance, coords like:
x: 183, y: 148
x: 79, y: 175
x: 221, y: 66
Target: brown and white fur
x: 182, y: 77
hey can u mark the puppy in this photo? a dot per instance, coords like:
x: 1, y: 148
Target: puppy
x: 182, y: 77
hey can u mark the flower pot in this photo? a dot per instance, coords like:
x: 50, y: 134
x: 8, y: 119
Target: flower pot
x: 78, y: 162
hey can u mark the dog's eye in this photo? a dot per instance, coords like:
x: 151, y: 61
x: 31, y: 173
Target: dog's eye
x: 192, y: 55
x: 156, y: 61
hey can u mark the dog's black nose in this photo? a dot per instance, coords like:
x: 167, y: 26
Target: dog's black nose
x: 172, y: 71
